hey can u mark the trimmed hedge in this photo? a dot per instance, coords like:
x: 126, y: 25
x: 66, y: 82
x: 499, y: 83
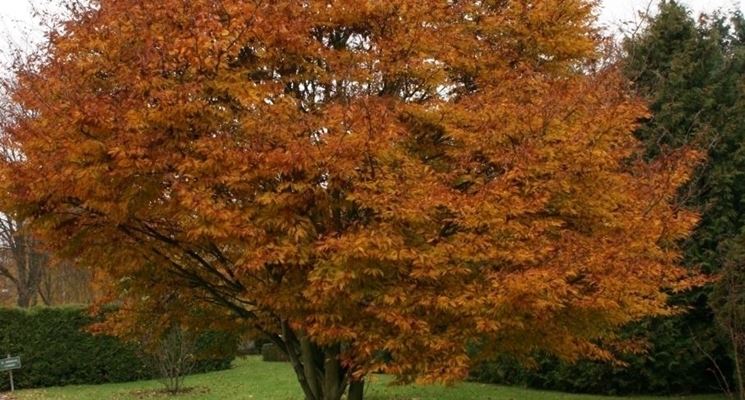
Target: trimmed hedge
x: 56, y: 350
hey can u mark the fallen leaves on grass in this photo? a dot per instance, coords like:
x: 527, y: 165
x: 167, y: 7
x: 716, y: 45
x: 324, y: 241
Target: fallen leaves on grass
x: 161, y: 393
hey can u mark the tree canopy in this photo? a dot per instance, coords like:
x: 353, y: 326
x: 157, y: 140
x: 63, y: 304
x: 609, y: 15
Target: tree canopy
x: 374, y: 185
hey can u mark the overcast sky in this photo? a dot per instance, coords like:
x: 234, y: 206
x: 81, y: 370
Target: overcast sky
x: 18, y: 23
x: 615, y: 11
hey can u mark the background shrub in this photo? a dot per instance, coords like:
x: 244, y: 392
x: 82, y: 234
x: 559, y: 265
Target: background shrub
x: 270, y: 352
x: 251, y: 345
x: 215, y: 351
x: 56, y: 350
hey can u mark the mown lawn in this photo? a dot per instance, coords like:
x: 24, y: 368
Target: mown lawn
x: 252, y: 379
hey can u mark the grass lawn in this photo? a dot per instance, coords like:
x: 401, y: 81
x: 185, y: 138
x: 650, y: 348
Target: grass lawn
x: 252, y: 379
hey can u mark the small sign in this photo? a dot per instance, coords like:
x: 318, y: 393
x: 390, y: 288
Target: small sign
x: 10, y: 363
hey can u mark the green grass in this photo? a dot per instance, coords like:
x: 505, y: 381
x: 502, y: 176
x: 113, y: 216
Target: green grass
x: 252, y: 379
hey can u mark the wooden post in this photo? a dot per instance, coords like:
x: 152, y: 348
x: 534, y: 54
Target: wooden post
x: 12, y: 386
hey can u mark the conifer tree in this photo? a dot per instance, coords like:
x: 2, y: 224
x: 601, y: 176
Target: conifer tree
x: 693, y: 74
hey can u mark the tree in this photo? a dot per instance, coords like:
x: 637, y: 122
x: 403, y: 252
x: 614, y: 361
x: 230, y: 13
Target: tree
x: 373, y: 185
x: 66, y: 283
x: 693, y: 75
x: 728, y: 299
x: 32, y: 272
x: 21, y: 261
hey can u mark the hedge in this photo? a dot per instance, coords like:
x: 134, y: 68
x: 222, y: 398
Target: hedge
x: 56, y: 350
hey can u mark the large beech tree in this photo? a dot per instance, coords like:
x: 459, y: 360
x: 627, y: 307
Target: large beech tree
x: 375, y: 185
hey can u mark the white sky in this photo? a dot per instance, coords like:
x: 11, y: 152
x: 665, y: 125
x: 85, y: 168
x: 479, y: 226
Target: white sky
x: 18, y: 26
x: 616, y: 11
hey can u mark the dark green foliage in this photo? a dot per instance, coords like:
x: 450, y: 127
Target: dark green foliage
x: 56, y: 350
x: 674, y: 364
x: 693, y: 74
x: 271, y: 353
x: 215, y: 351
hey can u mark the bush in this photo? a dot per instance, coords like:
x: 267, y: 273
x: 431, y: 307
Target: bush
x: 270, y: 352
x: 56, y: 350
x: 215, y: 351
x: 174, y: 358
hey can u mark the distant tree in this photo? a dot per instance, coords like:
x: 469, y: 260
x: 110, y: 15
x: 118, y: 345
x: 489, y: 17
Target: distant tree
x: 66, y: 283
x: 372, y: 185
x: 33, y: 274
x: 21, y: 261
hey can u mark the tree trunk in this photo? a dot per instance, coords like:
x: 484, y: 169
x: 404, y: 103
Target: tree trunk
x: 356, y: 390
x: 23, y: 297
x: 335, y: 376
x: 738, y: 364
x: 310, y: 354
x: 319, y: 370
x: 30, y: 265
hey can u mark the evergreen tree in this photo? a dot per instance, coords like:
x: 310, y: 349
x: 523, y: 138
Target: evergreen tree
x: 692, y: 74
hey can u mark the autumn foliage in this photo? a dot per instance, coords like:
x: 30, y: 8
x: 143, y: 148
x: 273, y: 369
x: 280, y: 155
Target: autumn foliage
x: 376, y: 185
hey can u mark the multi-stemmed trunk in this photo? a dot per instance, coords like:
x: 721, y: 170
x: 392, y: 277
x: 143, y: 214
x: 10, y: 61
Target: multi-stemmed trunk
x: 319, y: 370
